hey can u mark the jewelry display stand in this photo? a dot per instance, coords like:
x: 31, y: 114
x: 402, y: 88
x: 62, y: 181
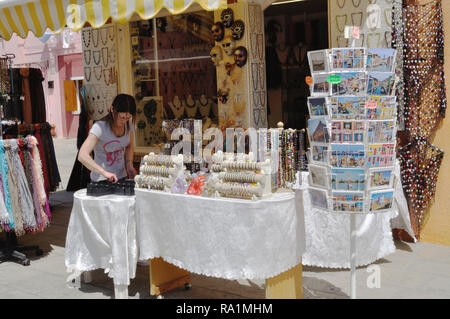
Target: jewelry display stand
x: 240, y: 177
x: 352, y: 133
x: 159, y: 171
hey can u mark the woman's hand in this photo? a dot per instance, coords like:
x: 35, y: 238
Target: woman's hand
x: 131, y: 171
x: 110, y: 177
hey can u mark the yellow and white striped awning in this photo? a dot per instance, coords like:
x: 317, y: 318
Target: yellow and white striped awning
x: 37, y: 15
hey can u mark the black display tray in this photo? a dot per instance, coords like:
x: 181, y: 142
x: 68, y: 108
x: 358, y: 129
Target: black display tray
x: 122, y: 187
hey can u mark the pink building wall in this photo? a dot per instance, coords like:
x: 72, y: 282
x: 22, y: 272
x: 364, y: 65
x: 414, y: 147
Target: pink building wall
x: 57, y: 63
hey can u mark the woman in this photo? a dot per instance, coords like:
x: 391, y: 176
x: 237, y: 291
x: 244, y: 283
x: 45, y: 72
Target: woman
x: 112, y: 140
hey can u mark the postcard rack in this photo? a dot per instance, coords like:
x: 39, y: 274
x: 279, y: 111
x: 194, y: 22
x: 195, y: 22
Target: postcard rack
x: 159, y: 171
x: 352, y: 129
x: 240, y: 176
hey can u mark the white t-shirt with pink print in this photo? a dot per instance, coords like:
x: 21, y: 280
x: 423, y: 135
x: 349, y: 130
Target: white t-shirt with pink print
x: 109, y: 152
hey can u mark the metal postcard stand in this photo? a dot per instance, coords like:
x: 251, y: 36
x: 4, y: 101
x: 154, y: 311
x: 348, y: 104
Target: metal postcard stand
x: 326, y: 166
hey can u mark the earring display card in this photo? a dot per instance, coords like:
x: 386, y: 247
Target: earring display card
x: 347, y: 179
x: 348, y: 202
x: 347, y: 131
x: 318, y: 130
x: 381, y: 200
x: 348, y: 58
x: 380, y: 178
x: 347, y: 155
x: 318, y: 176
x: 317, y: 106
x: 318, y: 61
x: 352, y: 83
x: 380, y: 83
x: 347, y: 107
x: 319, y: 197
x: 380, y: 59
x: 380, y: 132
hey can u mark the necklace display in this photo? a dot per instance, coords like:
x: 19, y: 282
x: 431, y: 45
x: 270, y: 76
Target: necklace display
x: 177, y: 107
x: 397, y: 43
x: 204, y: 107
x: 191, y: 107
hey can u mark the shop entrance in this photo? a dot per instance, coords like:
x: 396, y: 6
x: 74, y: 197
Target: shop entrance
x: 292, y: 28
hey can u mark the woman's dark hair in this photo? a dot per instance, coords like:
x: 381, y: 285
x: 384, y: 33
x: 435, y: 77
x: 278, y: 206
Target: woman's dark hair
x: 123, y: 103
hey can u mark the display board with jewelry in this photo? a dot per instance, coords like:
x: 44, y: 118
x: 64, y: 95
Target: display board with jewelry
x: 352, y: 129
x: 100, y: 68
x: 171, y: 64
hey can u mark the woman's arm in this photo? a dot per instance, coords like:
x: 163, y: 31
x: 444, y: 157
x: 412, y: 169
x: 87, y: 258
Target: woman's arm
x: 84, y: 156
x: 129, y: 153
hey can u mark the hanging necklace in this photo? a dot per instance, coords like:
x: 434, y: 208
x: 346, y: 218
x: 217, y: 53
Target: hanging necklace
x: 339, y: 17
x: 87, y: 57
x: 111, y: 33
x: 360, y: 15
x: 104, y: 76
x: 98, y: 68
x: 105, y: 56
x: 356, y: 5
x: 104, y: 36
x: 87, y: 73
x: 97, y: 57
x: 339, y: 5
x: 95, y: 37
x: 88, y: 38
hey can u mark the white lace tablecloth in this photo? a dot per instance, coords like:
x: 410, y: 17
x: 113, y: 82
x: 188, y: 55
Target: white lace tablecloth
x: 102, y: 234
x: 328, y: 234
x: 225, y: 238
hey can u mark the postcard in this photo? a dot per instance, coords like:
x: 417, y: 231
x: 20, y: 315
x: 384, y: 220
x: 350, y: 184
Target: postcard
x: 380, y: 155
x: 347, y: 179
x: 318, y: 176
x: 381, y: 107
x: 319, y: 197
x: 320, y: 86
x: 347, y: 155
x: 319, y: 153
x: 318, y: 131
x: 381, y: 177
x: 318, y: 61
x: 317, y: 106
x: 347, y: 131
x: 380, y: 59
x: 347, y: 107
x: 380, y: 83
x: 381, y: 200
x: 352, y: 83
x: 348, y: 202
x: 348, y: 58
x: 380, y: 131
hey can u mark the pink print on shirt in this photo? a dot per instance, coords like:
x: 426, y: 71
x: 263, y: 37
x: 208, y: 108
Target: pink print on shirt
x: 114, y: 156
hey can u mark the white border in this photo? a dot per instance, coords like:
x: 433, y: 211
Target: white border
x: 326, y: 176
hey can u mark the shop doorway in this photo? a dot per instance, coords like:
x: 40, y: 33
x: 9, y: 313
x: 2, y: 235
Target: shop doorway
x: 292, y: 28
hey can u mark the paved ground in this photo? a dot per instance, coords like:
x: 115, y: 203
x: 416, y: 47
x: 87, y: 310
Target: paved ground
x: 417, y: 270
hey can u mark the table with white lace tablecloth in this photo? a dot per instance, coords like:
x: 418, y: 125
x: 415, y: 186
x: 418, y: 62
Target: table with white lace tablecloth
x: 328, y: 233
x: 221, y: 237
x: 102, y: 235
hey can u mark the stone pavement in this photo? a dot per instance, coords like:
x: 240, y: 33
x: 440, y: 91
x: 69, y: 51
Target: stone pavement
x: 418, y: 270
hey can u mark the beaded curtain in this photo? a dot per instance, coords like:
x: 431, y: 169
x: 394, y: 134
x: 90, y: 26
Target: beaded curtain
x: 424, y: 103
